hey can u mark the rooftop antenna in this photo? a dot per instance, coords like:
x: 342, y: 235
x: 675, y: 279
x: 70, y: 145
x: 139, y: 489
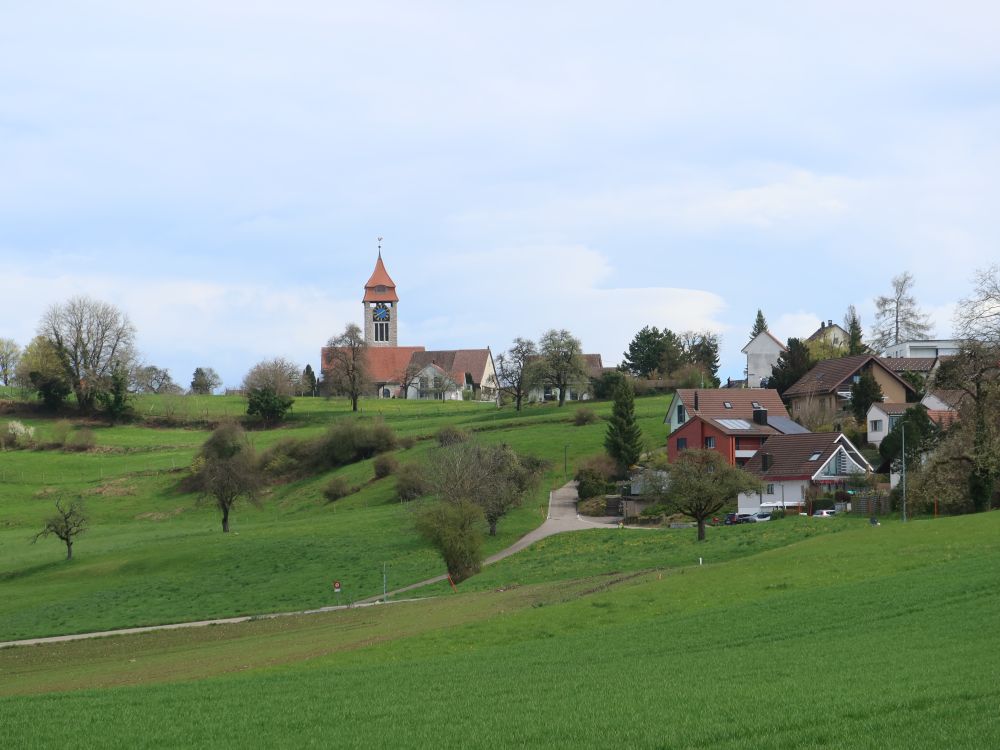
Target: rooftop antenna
x: 380, y: 246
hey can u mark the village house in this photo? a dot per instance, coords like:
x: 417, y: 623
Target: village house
x: 827, y: 386
x: 789, y: 465
x: 762, y: 353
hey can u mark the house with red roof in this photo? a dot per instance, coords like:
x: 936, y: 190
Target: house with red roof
x: 411, y: 371
x: 827, y: 386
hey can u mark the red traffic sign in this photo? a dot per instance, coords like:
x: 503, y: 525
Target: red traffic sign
x: 336, y: 587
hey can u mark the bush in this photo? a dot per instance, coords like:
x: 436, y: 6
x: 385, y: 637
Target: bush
x: 455, y: 529
x: 584, y: 416
x: 385, y: 465
x: 595, y: 475
x: 60, y: 432
x: 337, y: 488
x: 81, y: 440
x: 450, y: 435
x: 604, y: 386
x: 593, y: 507
x: 344, y: 443
x: 411, y: 482
x: 407, y: 442
x: 18, y: 435
x: 268, y: 404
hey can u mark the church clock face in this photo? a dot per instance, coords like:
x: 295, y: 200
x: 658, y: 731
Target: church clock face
x: 380, y: 312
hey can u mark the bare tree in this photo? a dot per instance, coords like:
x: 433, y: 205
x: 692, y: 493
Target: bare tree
x: 277, y: 375
x: 153, y: 379
x: 409, y: 378
x: 93, y: 339
x: 67, y: 523
x: 227, y: 470
x: 514, y: 370
x: 561, y: 363
x: 897, y: 317
x: 347, y: 371
x: 978, y: 316
x: 10, y: 353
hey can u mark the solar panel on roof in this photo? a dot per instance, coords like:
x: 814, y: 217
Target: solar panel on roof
x: 734, y: 424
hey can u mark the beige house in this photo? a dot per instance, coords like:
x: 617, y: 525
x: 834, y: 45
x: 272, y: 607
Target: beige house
x: 827, y: 386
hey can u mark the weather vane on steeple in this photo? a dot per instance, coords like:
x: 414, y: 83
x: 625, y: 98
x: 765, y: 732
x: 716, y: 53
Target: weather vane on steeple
x: 380, y: 246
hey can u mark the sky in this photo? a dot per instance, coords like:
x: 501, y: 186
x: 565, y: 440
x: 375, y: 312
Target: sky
x: 221, y: 171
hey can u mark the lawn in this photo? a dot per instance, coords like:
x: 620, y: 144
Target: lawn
x: 153, y: 554
x: 867, y: 637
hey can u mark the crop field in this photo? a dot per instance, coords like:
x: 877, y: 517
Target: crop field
x: 857, y: 637
x: 154, y: 555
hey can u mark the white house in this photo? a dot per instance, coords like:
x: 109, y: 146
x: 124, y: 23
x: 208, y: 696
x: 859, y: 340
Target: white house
x: 762, y: 355
x: 929, y: 348
x: 882, y: 417
x: 788, y: 465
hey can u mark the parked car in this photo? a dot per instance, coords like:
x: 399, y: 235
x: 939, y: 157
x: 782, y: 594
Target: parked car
x: 744, y: 518
x: 825, y: 513
x: 760, y: 517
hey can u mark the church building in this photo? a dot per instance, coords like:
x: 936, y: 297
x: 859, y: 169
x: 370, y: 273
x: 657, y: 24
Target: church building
x: 412, y: 371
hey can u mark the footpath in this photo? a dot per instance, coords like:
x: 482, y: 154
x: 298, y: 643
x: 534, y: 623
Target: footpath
x: 562, y: 517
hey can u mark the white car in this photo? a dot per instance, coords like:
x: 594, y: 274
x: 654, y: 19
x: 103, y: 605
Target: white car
x: 760, y: 517
x: 826, y: 513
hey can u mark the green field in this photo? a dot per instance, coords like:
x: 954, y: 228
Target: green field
x: 863, y: 637
x: 153, y: 555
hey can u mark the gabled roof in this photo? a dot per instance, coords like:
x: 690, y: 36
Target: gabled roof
x: 386, y: 364
x: 712, y: 402
x: 890, y: 409
x: 457, y: 362
x: 824, y: 329
x: 791, y: 456
x: 594, y: 365
x: 953, y: 398
x: 829, y: 375
x: 380, y: 278
x: 771, y: 336
x: 909, y: 364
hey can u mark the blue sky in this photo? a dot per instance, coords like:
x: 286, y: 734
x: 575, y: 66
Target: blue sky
x: 221, y: 173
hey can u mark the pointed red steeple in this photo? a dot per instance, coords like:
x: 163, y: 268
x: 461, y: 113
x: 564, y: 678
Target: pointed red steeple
x: 380, y: 287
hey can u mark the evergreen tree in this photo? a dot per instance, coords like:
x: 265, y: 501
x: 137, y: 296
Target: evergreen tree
x: 644, y: 352
x: 672, y: 356
x: 623, y: 440
x: 855, y: 336
x: 921, y: 436
x: 792, y: 364
x: 864, y: 393
x: 759, y: 326
x: 704, y: 353
x: 308, y: 381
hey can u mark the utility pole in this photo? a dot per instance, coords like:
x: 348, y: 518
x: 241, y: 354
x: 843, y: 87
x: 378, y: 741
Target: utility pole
x: 385, y: 595
x: 903, y: 430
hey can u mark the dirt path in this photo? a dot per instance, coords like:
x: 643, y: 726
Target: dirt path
x: 562, y: 517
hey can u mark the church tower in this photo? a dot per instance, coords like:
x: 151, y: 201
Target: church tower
x: 381, y: 307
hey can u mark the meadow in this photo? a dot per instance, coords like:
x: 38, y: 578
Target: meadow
x: 154, y: 555
x: 862, y: 638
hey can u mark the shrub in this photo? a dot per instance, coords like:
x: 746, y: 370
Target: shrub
x: 593, y: 507
x: 584, y: 416
x: 407, y: 442
x: 455, y: 529
x: 60, y: 432
x: 450, y: 435
x: 18, y: 435
x: 337, y: 488
x: 345, y: 442
x: 595, y: 475
x: 411, y: 482
x: 842, y: 496
x: 385, y: 465
x: 82, y: 440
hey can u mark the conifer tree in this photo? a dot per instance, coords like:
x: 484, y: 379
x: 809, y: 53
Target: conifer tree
x: 855, y: 336
x: 623, y: 440
x: 759, y: 325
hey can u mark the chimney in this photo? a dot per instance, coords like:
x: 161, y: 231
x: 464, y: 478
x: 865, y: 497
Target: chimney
x: 760, y: 417
x: 829, y: 323
x: 822, y: 325
x: 696, y: 400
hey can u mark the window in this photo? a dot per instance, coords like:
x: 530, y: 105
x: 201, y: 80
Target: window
x: 682, y: 444
x: 381, y: 331
x: 855, y: 378
x: 770, y: 489
x: 710, y: 442
x: 893, y: 421
x: 727, y: 404
x: 681, y: 414
x: 875, y: 425
x: 755, y: 405
x: 814, y: 456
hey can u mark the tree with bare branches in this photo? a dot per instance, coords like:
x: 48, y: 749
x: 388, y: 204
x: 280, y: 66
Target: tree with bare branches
x: 93, y: 340
x: 897, y: 317
x: 66, y: 524
x: 10, y: 353
x: 226, y: 470
x: 514, y: 370
x: 347, y: 371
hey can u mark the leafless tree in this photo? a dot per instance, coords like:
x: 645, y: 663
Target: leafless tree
x: 10, y: 353
x: 278, y: 374
x: 897, y: 317
x: 409, y: 378
x: 93, y: 340
x: 227, y: 470
x: 347, y: 371
x: 514, y: 370
x: 67, y: 523
x: 561, y: 363
x: 978, y: 316
x: 153, y: 379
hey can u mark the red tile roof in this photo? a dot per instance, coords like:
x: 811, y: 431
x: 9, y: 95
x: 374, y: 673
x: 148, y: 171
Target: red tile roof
x: 829, y: 375
x: 457, y: 362
x: 909, y: 364
x: 380, y: 278
x: 712, y: 402
x: 386, y: 364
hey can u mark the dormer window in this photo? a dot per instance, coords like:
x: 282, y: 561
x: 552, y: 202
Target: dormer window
x: 727, y: 404
x: 815, y: 456
x: 755, y: 405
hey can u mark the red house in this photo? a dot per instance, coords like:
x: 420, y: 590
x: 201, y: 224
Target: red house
x: 736, y: 439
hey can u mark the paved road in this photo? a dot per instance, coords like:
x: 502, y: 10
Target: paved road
x: 562, y: 517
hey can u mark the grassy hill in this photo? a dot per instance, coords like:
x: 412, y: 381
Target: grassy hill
x: 153, y: 555
x: 865, y: 637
